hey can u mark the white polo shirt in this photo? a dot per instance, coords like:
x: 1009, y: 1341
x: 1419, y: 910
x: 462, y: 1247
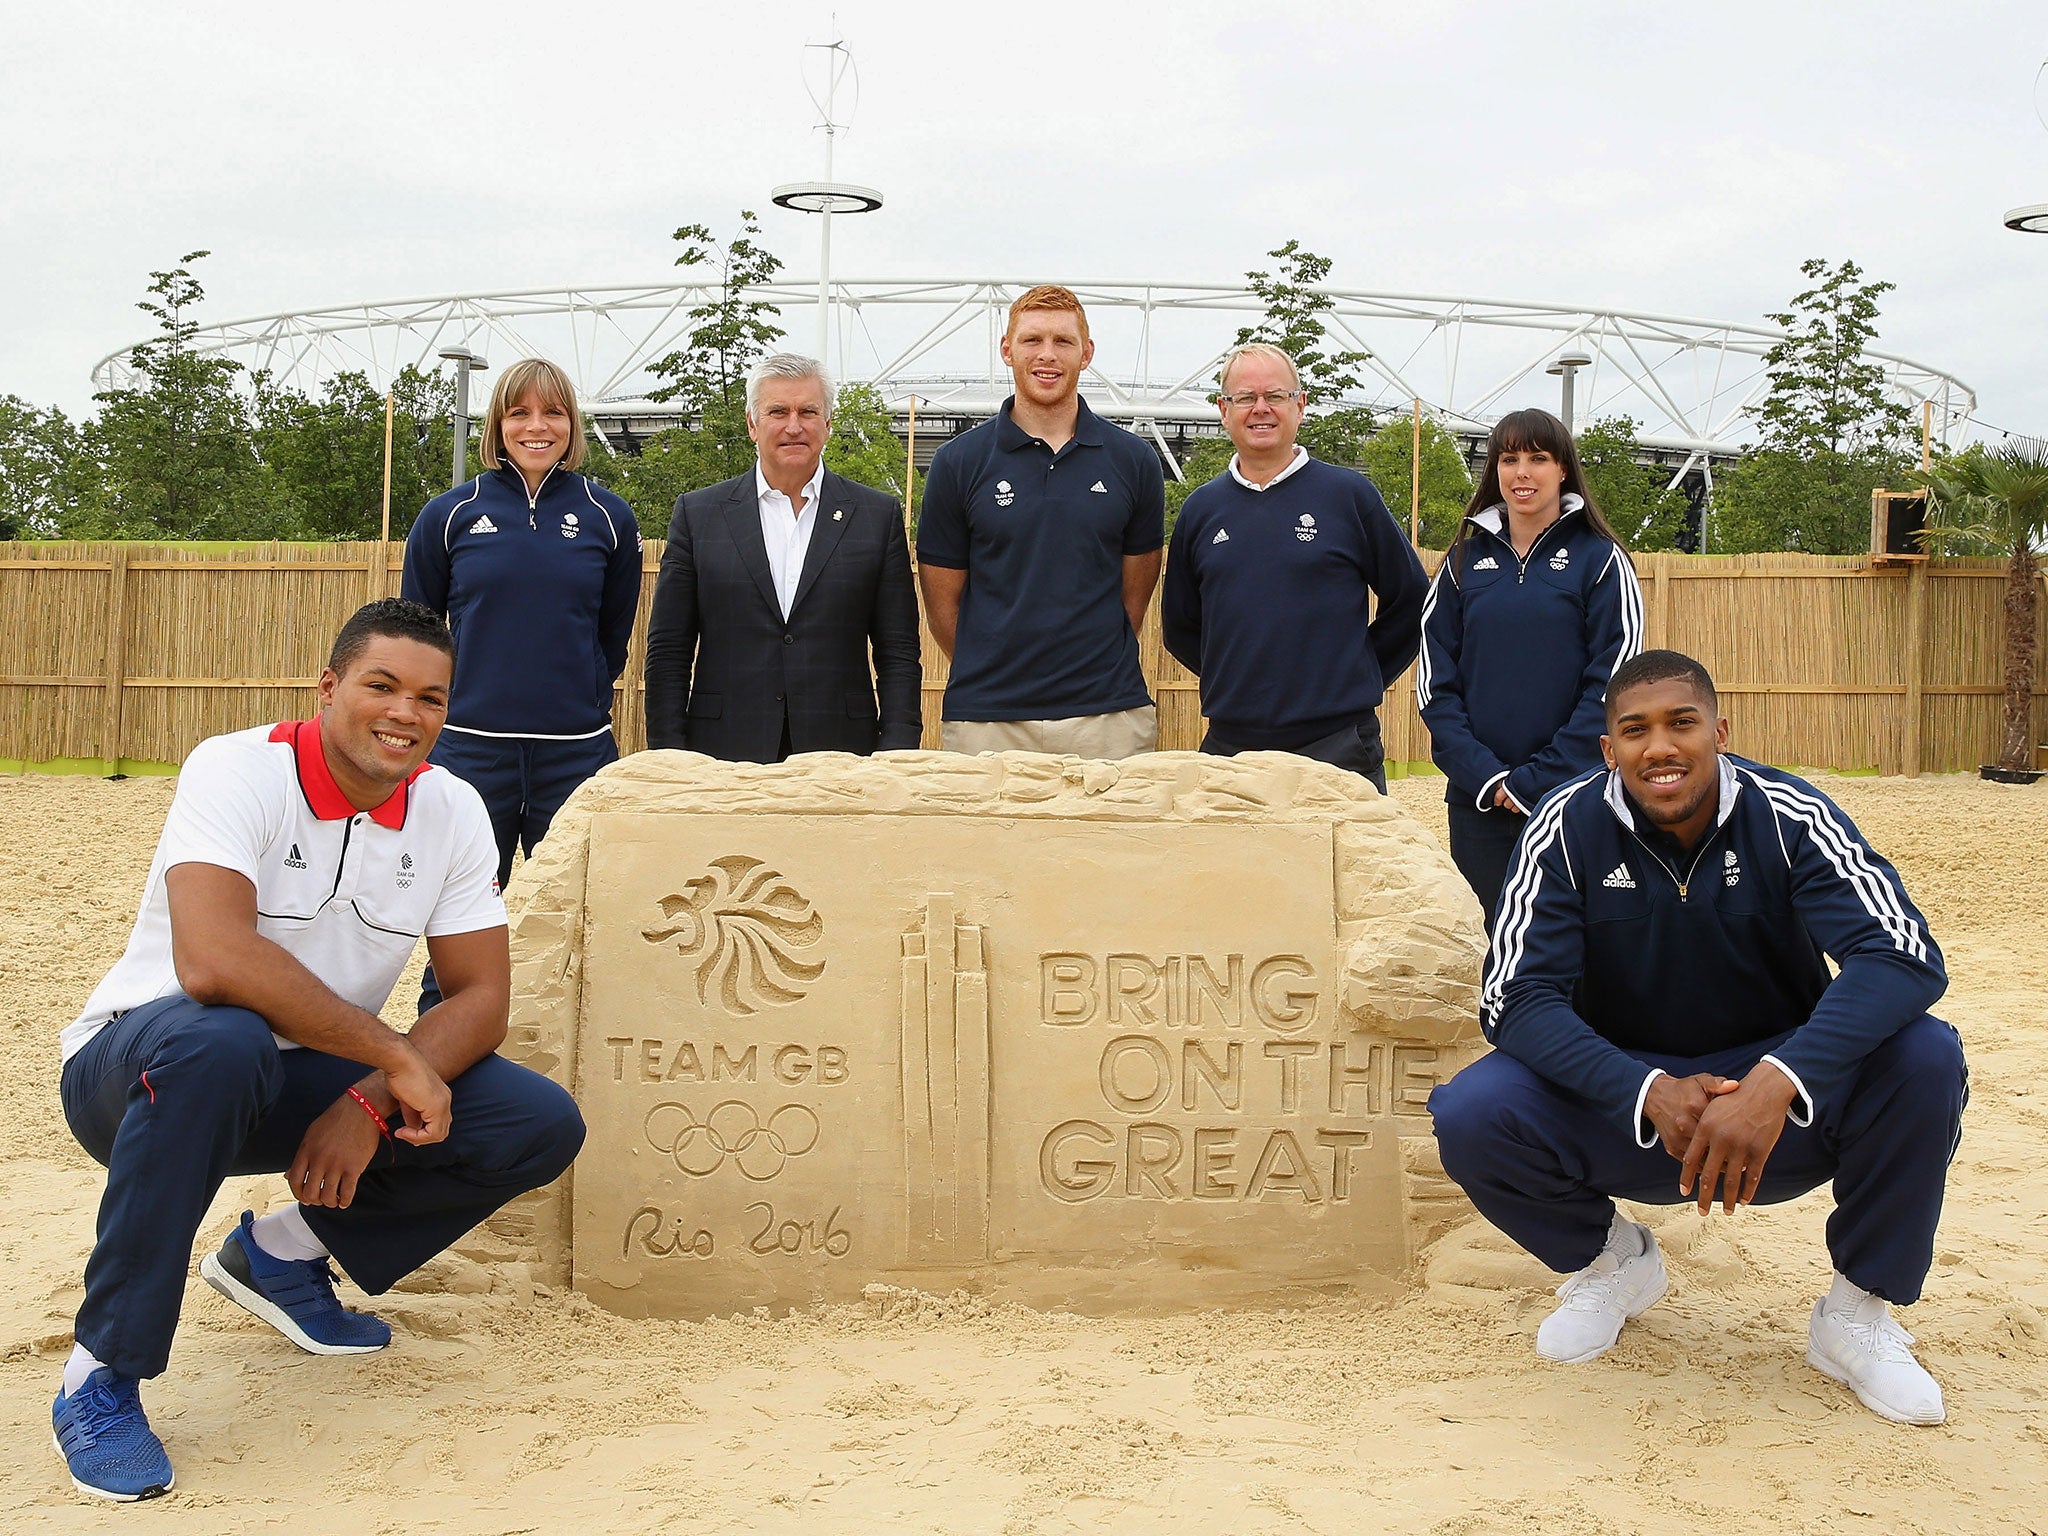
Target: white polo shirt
x: 347, y: 892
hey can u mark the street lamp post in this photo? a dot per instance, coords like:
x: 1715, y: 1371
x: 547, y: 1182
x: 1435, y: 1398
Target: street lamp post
x: 464, y: 360
x: 827, y: 197
x: 1566, y: 367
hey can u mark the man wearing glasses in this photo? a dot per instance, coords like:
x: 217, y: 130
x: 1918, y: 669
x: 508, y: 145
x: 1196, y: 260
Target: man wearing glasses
x: 1271, y: 581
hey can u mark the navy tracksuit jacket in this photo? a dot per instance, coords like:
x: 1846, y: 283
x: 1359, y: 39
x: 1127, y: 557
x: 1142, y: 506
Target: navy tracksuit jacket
x: 1606, y: 945
x: 1516, y: 653
x: 540, y: 593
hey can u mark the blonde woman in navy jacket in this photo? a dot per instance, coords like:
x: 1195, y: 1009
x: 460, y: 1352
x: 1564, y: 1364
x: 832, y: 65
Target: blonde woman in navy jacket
x: 537, y: 570
x: 1535, y: 605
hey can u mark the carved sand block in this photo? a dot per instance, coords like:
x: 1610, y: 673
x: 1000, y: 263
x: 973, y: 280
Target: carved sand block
x: 1116, y: 1036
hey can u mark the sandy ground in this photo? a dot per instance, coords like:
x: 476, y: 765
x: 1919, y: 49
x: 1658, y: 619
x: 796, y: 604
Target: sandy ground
x: 504, y: 1407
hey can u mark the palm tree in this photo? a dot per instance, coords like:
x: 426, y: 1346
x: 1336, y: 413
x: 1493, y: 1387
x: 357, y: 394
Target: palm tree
x: 1997, y: 502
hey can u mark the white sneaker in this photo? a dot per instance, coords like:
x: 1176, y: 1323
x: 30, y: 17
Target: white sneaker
x: 1865, y: 1349
x: 1600, y: 1298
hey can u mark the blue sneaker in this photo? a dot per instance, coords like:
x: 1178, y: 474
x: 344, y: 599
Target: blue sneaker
x: 105, y: 1439
x: 294, y: 1296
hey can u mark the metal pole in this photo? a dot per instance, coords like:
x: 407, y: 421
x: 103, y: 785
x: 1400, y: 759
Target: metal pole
x: 825, y: 217
x: 459, y: 457
x: 1568, y: 373
x: 910, y: 474
x: 1707, y: 502
x: 825, y: 275
x: 1415, y: 481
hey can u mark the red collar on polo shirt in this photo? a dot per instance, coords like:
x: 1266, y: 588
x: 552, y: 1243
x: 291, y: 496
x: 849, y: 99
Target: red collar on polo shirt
x: 316, y: 780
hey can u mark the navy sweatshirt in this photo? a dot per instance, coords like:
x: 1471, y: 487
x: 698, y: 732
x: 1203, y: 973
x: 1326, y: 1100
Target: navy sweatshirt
x: 1516, y: 653
x: 1610, y: 942
x: 1268, y: 595
x: 540, y: 592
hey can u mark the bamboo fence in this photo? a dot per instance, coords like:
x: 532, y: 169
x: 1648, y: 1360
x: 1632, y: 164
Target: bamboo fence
x: 122, y: 657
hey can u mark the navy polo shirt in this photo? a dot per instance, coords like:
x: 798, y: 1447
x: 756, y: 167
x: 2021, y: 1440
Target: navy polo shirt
x: 1042, y: 536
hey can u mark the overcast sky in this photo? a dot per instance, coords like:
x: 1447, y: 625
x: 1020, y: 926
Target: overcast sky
x: 1676, y: 159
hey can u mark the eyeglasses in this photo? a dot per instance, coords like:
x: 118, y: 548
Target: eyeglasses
x: 1245, y: 399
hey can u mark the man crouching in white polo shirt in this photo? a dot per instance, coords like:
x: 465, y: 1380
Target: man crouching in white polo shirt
x: 238, y: 1034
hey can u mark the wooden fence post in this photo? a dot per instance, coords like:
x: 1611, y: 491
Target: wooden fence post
x: 379, y: 574
x: 629, y: 718
x: 117, y: 657
x: 1660, y: 603
x: 1916, y: 622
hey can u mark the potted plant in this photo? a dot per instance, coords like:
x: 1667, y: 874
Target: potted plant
x: 1996, y: 501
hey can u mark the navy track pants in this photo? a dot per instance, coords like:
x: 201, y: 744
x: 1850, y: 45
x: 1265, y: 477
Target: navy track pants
x: 1482, y: 846
x: 1356, y: 747
x: 523, y: 781
x: 1542, y: 1164
x: 175, y: 1096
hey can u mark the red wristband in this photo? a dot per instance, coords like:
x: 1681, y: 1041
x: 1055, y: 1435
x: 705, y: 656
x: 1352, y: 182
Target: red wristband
x: 383, y: 1125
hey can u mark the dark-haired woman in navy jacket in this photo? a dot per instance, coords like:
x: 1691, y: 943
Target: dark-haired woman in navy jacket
x: 1535, y: 605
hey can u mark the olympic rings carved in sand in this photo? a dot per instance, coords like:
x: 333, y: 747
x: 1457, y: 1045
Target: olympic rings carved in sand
x: 733, y: 1129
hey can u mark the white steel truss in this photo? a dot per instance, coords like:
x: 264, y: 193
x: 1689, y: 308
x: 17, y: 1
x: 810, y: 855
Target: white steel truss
x: 1689, y: 384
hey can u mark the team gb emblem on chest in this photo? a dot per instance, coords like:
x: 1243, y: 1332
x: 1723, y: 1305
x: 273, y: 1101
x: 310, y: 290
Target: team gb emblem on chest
x: 569, y: 528
x: 1306, y: 528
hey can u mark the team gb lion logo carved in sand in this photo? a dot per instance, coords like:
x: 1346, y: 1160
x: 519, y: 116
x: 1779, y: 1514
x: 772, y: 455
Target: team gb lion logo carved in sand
x: 748, y: 930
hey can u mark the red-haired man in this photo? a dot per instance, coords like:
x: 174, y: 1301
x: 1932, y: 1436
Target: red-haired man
x: 1038, y: 550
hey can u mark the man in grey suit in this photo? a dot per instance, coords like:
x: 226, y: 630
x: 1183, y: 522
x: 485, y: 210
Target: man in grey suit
x: 775, y: 589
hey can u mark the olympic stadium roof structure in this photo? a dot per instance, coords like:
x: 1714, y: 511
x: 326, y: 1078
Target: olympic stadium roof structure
x: 1689, y: 384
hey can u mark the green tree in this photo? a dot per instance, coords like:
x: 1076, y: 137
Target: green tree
x: 1202, y: 463
x: 729, y: 333
x: 669, y: 463
x: 176, y: 448
x: 1996, y: 502
x: 1339, y: 435
x: 45, y: 472
x: 323, y: 459
x: 422, y: 442
x: 1636, y: 498
x: 1830, y: 434
x: 1389, y: 459
x: 864, y: 446
x: 1825, y: 396
x: 1294, y: 322
x: 1774, y: 499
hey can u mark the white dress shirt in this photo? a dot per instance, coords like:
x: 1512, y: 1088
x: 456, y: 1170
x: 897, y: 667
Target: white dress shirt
x: 787, y: 532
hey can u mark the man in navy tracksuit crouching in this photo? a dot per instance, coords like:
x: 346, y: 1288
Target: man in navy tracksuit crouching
x: 1657, y: 991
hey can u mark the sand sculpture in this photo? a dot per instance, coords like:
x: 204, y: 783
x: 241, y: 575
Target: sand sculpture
x: 1113, y: 1036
